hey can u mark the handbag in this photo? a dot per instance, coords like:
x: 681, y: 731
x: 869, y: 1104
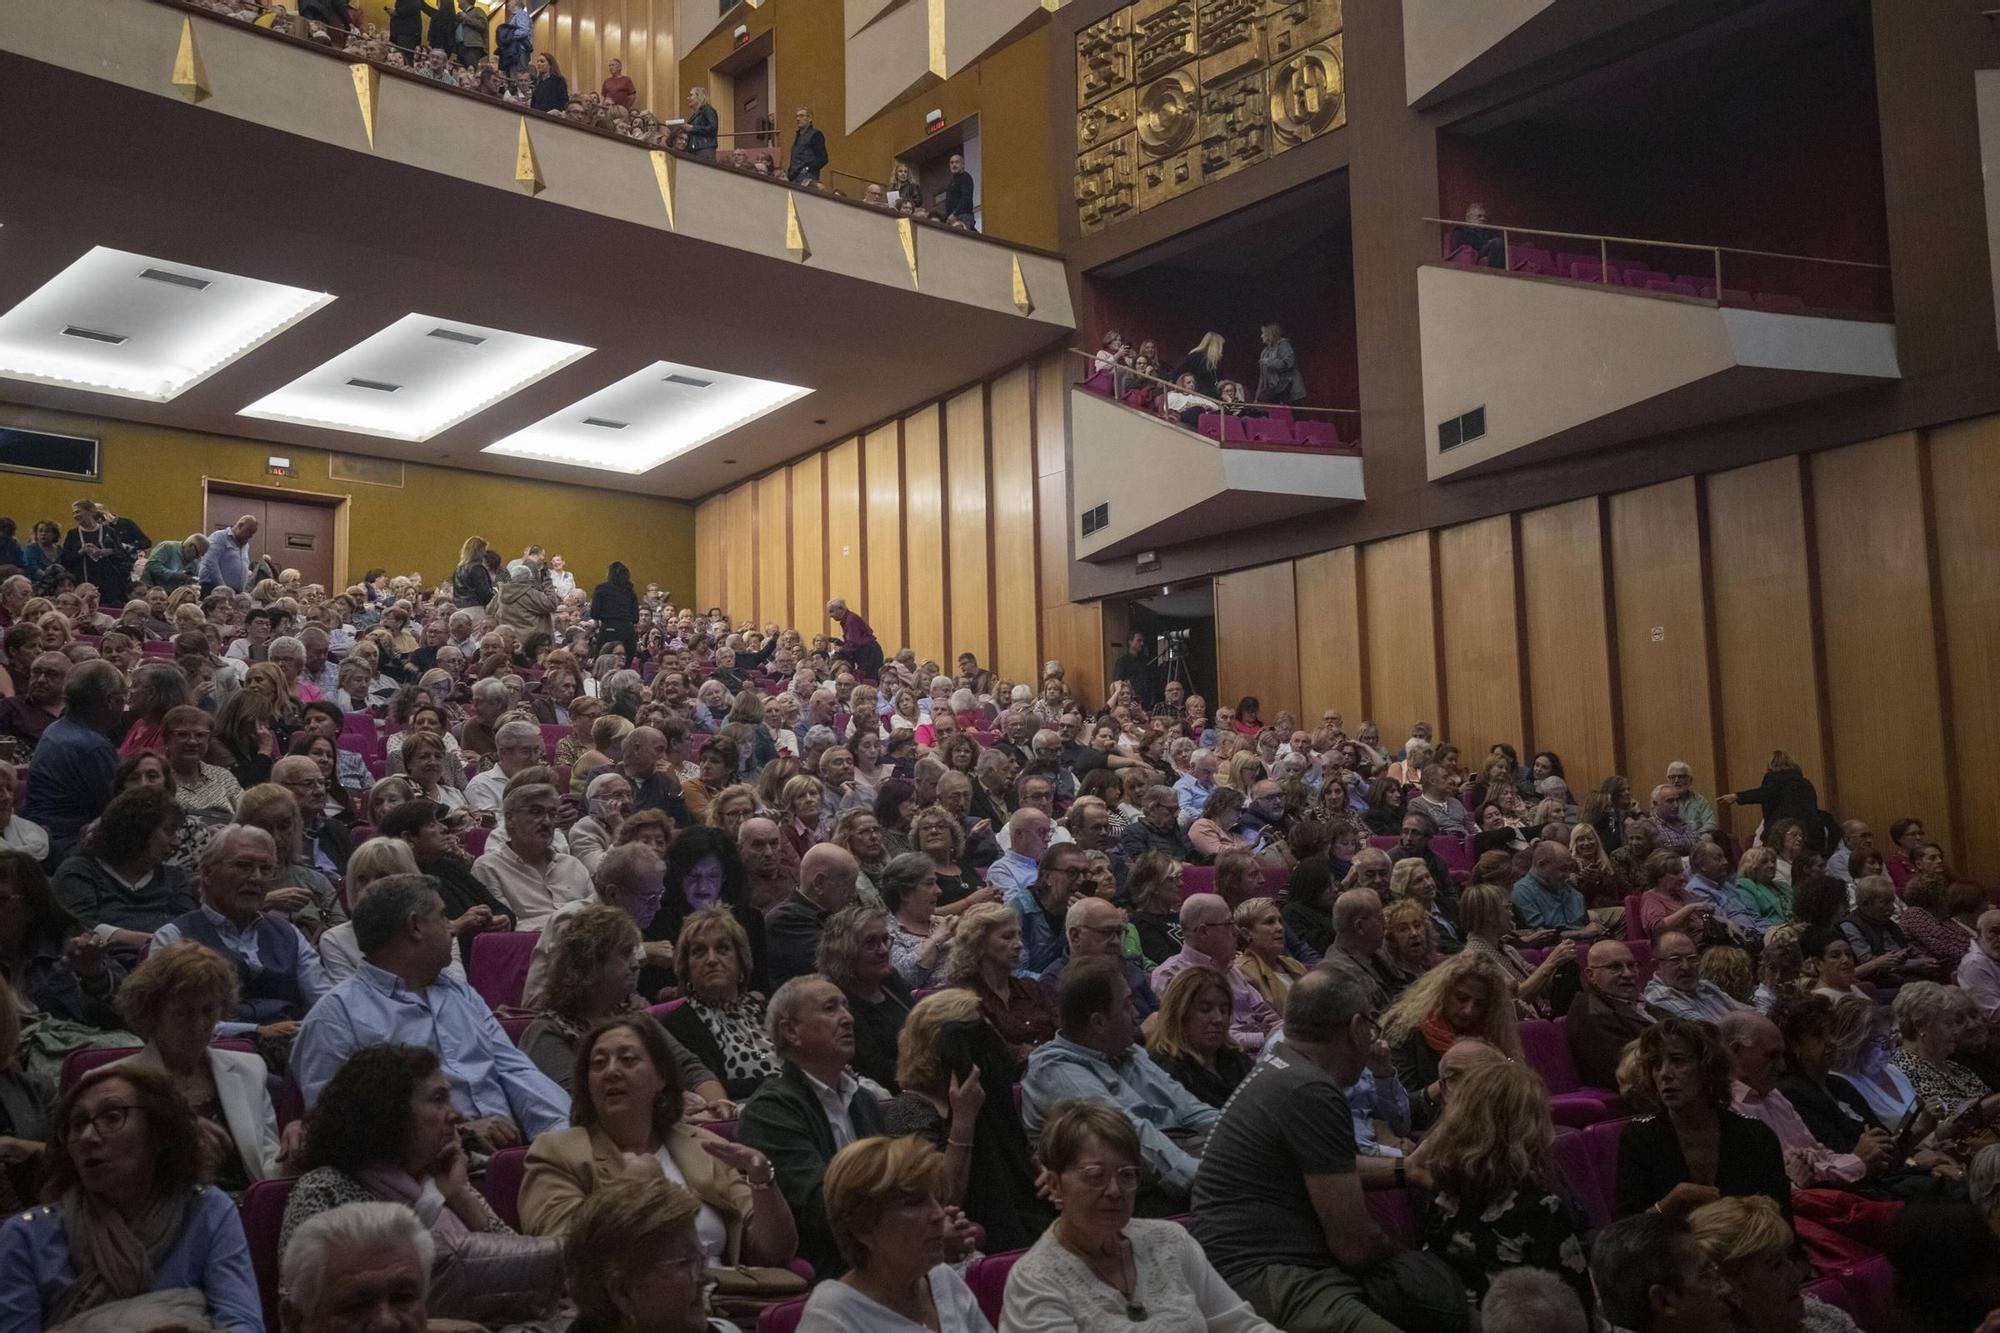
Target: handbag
x: 742, y: 1290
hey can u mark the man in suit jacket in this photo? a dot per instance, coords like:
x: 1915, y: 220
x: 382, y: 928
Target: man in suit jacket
x: 827, y: 876
x: 812, y: 1109
x: 1607, y: 1014
x: 808, y: 160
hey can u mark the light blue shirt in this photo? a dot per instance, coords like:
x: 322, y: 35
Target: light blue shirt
x: 242, y: 946
x: 227, y: 561
x: 1539, y: 907
x: 1728, y: 904
x: 1063, y: 1070
x: 1193, y: 796
x: 488, y: 1074
x: 1709, y: 1003
x: 1012, y: 871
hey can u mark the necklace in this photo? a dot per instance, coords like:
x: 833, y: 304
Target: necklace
x: 1127, y: 1282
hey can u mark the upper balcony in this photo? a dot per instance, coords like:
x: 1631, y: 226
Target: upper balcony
x: 195, y: 140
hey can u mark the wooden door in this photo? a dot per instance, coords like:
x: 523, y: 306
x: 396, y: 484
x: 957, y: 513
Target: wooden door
x: 295, y: 533
x: 753, y: 105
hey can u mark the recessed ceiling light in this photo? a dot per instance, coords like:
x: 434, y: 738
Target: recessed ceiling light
x: 125, y: 324
x: 607, y: 425
x: 667, y: 409
x: 429, y: 376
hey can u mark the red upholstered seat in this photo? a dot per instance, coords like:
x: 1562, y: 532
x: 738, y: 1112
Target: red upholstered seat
x: 1547, y: 1052
x: 78, y: 1063
x: 1266, y: 430
x: 663, y: 1009
x: 1395, y: 1213
x: 1455, y: 850
x: 1871, y: 1294
x: 552, y: 735
x: 498, y: 967
x: 988, y: 1279
x: 1197, y: 879
x: 474, y: 839
x: 262, y: 1211
x: 1323, y: 433
x: 781, y: 1318
x: 1209, y: 424
x: 514, y: 1025
x: 502, y: 1184
x: 1633, y: 930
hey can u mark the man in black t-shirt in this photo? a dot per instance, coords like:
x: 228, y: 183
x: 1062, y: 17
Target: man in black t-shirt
x: 1139, y: 667
x: 1278, y: 1201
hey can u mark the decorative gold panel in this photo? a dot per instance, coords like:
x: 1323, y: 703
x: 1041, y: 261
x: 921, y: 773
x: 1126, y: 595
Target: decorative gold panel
x: 1235, y: 131
x: 1163, y: 36
x: 1112, y: 118
x: 1169, y: 114
x: 1106, y: 183
x: 1175, y: 93
x: 1104, y: 57
x: 1308, y: 95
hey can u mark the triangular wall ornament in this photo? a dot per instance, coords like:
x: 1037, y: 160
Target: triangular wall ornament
x: 527, y: 171
x: 907, y: 229
x: 190, y: 76
x: 664, y: 171
x: 1022, y: 302
x: 367, y: 91
x: 795, y: 236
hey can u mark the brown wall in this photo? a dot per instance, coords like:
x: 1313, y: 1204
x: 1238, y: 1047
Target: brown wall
x: 1838, y: 605
x: 584, y: 35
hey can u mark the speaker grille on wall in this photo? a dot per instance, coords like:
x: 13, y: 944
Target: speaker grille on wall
x: 367, y: 471
x: 1093, y: 519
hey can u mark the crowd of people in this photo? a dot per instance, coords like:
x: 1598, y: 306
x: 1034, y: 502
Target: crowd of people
x: 849, y: 968
x: 1195, y: 384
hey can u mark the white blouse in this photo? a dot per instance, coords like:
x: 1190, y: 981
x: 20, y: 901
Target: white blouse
x: 836, y: 1307
x: 1051, y: 1290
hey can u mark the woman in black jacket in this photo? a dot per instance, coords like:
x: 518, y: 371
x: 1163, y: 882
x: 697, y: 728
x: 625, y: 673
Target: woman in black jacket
x: 471, y: 585
x: 702, y: 125
x: 551, y: 88
x: 1786, y: 793
x: 615, y: 607
x: 1681, y: 1086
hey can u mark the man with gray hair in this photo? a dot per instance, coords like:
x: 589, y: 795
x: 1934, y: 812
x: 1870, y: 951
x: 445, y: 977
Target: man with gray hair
x: 75, y: 759
x: 358, y: 1268
x: 489, y: 701
x: 1697, y: 811
x: 812, y: 1108
x: 1358, y: 931
x: 320, y: 669
x: 1979, y: 970
x: 277, y: 968
x: 608, y: 799
x: 641, y: 757
x: 525, y: 868
x: 517, y: 745
x: 1158, y: 828
x: 1532, y: 1300
x: 402, y: 996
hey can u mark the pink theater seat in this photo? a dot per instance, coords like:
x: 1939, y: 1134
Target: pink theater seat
x: 1280, y: 414
x: 474, y: 839
x: 80, y: 1062
x: 1197, y: 879
x: 1580, y: 1182
x: 1277, y: 881
x: 781, y: 1318
x: 988, y: 1279
x: 1831, y: 1291
x: 1871, y: 1294
x: 664, y: 1008
x: 552, y: 735
x: 1531, y: 259
x: 262, y: 1212
x: 1782, y: 303
x: 362, y: 833
x: 1268, y: 430
x: 1323, y: 433
x: 514, y: 1025
x: 1099, y: 382
x: 157, y: 648
x: 1394, y: 1212
x: 1385, y: 841
x: 1463, y: 257
x: 1209, y: 424
x: 1633, y: 930
x: 502, y: 1184
x: 1547, y: 1052
x: 1455, y: 850
x: 498, y: 967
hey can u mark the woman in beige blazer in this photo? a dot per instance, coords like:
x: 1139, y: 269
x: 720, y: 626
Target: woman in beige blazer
x: 625, y: 1112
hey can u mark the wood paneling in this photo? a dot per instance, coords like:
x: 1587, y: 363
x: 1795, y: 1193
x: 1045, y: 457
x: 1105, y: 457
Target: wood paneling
x: 1569, y: 674
x: 1255, y: 609
x: 843, y: 527
x: 808, y: 477
x: 1010, y: 410
x: 1481, y: 635
x: 1329, y: 614
x: 882, y: 465
x: 1052, y: 479
x: 923, y: 533
x: 1880, y: 636
x: 774, y: 554
x: 1399, y: 637
x: 1077, y: 639
x: 966, y: 532
x: 739, y: 530
x: 1662, y: 634
x: 1968, y: 549
x: 710, y: 552
x: 1766, y: 657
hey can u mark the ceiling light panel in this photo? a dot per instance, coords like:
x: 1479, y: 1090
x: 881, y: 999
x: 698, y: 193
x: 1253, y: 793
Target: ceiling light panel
x: 661, y: 412
x: 139, y: 327
x: 418, y: 377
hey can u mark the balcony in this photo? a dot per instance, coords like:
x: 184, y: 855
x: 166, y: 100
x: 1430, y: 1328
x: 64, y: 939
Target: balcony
x: 1142, y: 480
x: 1538, y: 345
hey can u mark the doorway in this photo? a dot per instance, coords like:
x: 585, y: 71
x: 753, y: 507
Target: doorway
x: 299, y: 530
x: 930, y: 162
x: 1179, y: 625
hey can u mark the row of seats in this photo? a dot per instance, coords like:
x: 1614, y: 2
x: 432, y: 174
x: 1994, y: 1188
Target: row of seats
x: 1277, y: 425
x: 1637, y: 276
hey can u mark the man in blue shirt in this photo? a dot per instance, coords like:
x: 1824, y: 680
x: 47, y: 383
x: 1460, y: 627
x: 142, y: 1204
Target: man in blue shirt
x: 1546, y: 898
x: 1194, y: 787
x: 227, y: 560
x: 1028, y: 834
x: 1711, y: 883
x: 401, y: 995
x: 1042, y: 905
x: 75, y: 759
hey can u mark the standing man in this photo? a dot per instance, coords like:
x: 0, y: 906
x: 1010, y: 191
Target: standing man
x: 808, y: 160
x: 619, y: 87
x: 858, y: 645
x: 958, y: 194
x: 1137, y: 666
x: 226, y: 563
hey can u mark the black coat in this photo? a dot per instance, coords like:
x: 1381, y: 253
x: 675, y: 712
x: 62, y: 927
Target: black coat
x: 614, y: 605
x: 958, y: 196
x: 551, y: 94
x: 808, y: 152
x: 471, y: 586
x: 786, y: 1123
x: 701, y: 131
x: 1650, y: 1163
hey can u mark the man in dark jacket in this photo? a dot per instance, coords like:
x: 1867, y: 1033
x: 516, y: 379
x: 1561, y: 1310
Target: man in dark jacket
x: 1157, y: 829
x: 808, y: 152
x: 1607, y: 1014
x: 958, y: 193
x: 827, y: 876
x: 812, y: 1109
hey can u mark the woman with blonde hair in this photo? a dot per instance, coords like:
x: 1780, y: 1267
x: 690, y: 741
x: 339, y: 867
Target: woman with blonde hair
x: 1488, y: 920
x: 1189, y: 1037
x: 1260, y: 927
x: 471, y: 581
x: 1468, y: 995
x: 1747, y: 1239
x: 1204, y: 362
x: 1781, y: 969
x: 374, y: 860
x: 728, y: 808
x: 984, y: 959
x: 1596, y: 878
x: 1757, y: 884
x: 1494, y: 1198
x: 1411, y: 879
x: 799, y: 812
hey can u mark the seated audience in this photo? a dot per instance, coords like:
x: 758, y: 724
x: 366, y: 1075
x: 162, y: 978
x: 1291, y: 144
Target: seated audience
x: 299, y: 889
x: 1531, y: 1300
x: 591, y: 970
x: 1932, y: 1019
x: 1487, y: 919
x: 1752, y: 1246
x: 119, y: 883
x: 1464, y: 997
x: 1678, y: 988
x: 27, y: 1103
x: 1687, y: 1147
x: 854, y: 955
x: 1768, y: 898
x: 811, y: 1109
x: 1666, y: 903
x: 1154, y: 890
x: 1308, y: 905
x: 919, y: 935
x: 384, y: 1129
x: 635, y: 1263
x: 1756, y: 1052
x: 18, y: 833
x: 1930, y: 902
x: 1190, y: 1037
x: 1360, y: 929
x: 58, y: 968
x: 74, y: 757
x: 130, y: 1236
x: 826, y: 884
x: 1099, y: 1267
x: 523, y: 868
x: 1263, y: 960
x: 1651, y: 1277
x: 985, y: 958
x: 1208, y: 939
x: 1979, y: 970
x: 1094, y: 928
x: 608, y: 799
x: 722, y: 1024
x: 1607, y: 1014
x: 358, y: 1268
x: 1781, y: 967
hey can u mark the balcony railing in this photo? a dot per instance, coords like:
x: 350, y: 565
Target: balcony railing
x: 1232, y: 424
x: 1720, y: 275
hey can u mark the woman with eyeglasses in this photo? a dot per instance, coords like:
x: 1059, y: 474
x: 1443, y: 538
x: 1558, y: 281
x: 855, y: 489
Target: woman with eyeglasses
x: 130, y: 1235
x: 1099, y: 1267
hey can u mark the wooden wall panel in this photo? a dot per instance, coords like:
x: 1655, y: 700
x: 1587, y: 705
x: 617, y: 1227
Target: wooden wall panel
x: 1016, y: 644
x: 1052, y: 517
x: 1399, y: 637
x: 1880, y: 636
x: 882, y: 465
x: 1077, y: 638
x: 710, y: 552
x: 1569, y: 675
x: 774, y: 552
x: 808, y: 486
x: 1254, y: 610
x: 1766, y: 654
x: 739, y: 531
x: 966, y: 533
x: 843, y: 531
x: 1329, y: 614
x: 1967, y: 456
x: 1661, y: 625
x: 923, y: 534
x: 1481, y: 635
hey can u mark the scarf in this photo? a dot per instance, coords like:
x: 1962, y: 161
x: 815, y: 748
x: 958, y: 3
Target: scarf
x: 1438, y: 1034
x: 114, y: 1259
x: 392, y: 1184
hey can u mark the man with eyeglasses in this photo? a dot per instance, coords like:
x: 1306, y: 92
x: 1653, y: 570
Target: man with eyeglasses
x: 328, y: 843
x: 1208, y: 935
x: 38, y: 702
x: 609, y: 800
x: 1041, y: 905
x: 1157, y: 829
x: 1607, y: 1014
x: 525, y: 868
x: 1677, y: 986
x: 277, y: 967
x: 1095, y: 928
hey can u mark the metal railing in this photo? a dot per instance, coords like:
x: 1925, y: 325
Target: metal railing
x: 1121, y: 370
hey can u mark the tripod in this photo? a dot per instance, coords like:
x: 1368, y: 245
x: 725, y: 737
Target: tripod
x: 1175, y: 668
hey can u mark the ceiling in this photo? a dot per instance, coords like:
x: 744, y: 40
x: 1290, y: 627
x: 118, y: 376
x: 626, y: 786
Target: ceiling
x: 578, y: 315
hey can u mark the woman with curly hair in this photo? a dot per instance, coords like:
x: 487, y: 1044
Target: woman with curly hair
x: 940, y: 839
x: 384, y: 1129
x: 1687, y: 1145
x: 1466, y: 996
x: 121, y: 876
x: 984, y: 959
x: 592, y: 974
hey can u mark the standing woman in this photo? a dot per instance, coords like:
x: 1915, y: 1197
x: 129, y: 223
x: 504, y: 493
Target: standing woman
x: 614, y: 605
x: 1278, y: 377
x: 701, y: 127
x: 1785, y: 793
x: 551, y: 88
x: 1205, y: 364
x: 471, y: 584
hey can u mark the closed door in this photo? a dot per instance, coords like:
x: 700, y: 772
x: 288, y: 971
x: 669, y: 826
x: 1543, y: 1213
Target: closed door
x: 296, y: 535
x: 753, y: 105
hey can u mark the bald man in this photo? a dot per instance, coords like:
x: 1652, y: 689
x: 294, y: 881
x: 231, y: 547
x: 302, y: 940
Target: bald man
x: 761, y: 846
x: 827, y: 876
x: 1607, y: 1013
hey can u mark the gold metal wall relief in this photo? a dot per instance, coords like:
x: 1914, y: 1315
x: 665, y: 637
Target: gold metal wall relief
x: 1175, y: 93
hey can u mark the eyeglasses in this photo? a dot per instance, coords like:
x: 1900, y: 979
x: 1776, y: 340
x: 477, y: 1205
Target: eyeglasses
x: 1099, y: 1178
x: 107, y: 1120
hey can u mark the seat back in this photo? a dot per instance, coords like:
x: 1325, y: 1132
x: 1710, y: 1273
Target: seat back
x: 781, y: 1318
x: 552, y: 734
x: 498, y: 965
x: 1455, y: 850
x: 663, y: 1009
x: 262, y: 1212
x: 1531, y: 259
x: 1323, y: 433
x: 1268, y: 430
x: 1871, y: 1293
x: 1209, y: 424
x: 514, y: 1025
x: 502, y: 1184
x: 78, y: 1063
x: 1547, y: 1050
x: 1395, y: 1214
x: 1197, y: 879
x: 1633, y: 930
x: 988, y: 1279
x: 1600, y: 1152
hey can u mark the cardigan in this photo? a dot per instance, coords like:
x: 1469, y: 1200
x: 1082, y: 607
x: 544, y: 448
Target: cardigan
x: 245, y: 1098
x: 1650, y: 1163
x: 565, y: 1165
x: 787, y: 1123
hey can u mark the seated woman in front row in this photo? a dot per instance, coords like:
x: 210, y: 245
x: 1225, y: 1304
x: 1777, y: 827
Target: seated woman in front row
x: 1687, y: 1147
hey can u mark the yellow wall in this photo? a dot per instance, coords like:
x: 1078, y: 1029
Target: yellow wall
x: 153, y: 476
x: 1008, y: 91
x: 583, y: 35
